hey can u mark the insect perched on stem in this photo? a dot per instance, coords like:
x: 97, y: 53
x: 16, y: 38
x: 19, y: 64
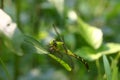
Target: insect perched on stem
x: 59, y: 48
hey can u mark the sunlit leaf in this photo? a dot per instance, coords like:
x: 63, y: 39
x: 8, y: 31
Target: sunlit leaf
x: 107, y: 68
x: 92, y: 54
x: 110, y: 48
x: 92, y: 35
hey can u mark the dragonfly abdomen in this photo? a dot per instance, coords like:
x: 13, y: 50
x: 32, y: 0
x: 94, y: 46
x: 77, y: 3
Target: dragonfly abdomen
x: 79, y: 58
x: 83, y: 61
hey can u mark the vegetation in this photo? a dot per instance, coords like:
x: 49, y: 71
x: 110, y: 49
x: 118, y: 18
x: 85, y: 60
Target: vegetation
x: 90, y: 30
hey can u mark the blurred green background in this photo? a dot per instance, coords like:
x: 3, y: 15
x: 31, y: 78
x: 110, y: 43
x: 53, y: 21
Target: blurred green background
x: 91, y: 29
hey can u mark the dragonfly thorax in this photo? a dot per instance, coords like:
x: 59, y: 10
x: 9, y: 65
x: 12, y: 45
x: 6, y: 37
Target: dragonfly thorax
x: 55, y: 46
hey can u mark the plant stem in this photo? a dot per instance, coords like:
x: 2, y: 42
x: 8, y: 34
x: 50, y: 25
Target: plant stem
x: 17, y: 58
x: 16, y: 67
x: 99, y: 70
x: 18, y: 10
x: 5, y: 69
x: 2, y: 4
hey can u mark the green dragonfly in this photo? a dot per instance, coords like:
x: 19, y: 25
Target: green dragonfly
x: 59, y: 48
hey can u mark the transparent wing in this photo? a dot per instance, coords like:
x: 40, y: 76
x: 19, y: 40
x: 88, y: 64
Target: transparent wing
x: 60, y: 38
x: 63, y: 55
x: 69, y: 53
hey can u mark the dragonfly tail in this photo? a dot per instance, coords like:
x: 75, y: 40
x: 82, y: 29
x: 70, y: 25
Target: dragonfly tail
x: 83, y: 61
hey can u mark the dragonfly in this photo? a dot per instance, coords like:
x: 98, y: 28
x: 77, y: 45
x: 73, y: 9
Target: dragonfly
x: 59, y: 48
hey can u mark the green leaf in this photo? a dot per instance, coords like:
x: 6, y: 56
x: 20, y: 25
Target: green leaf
x: 30, y: 45
x: 107, y: 68
x: 87, y: 53
x: 110, y: 48
x: 92, y: 54
x: 92, y: 35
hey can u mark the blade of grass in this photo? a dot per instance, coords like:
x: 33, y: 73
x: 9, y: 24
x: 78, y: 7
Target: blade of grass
x: 99, y: 69
x: 107, y: 68
x: 2, y: 4
x: 114, y: 67
x: 5, y: 69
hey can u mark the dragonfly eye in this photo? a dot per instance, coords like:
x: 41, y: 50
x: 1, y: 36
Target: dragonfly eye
x: 54, y: 43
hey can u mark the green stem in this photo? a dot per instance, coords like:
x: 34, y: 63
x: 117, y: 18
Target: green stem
x: 18, y: 10
x: 99, y: 70
x: 16, y: 67
x: 17, y: 58
x: 2, y: 4
x: 5, y: 69
x: 35, y: 20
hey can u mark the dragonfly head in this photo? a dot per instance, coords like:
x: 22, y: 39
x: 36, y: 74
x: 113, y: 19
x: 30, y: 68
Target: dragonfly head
x: 56, y: 43
x: 53, y: 43
x: 52, y: 46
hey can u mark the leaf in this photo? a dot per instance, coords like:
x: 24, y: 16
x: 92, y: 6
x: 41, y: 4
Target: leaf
x: 92, y: 54
x: 107, y: 68
x: 30, y: 45
x: 87, y: 53
x: 92, y: 35
x: 110, y: 48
